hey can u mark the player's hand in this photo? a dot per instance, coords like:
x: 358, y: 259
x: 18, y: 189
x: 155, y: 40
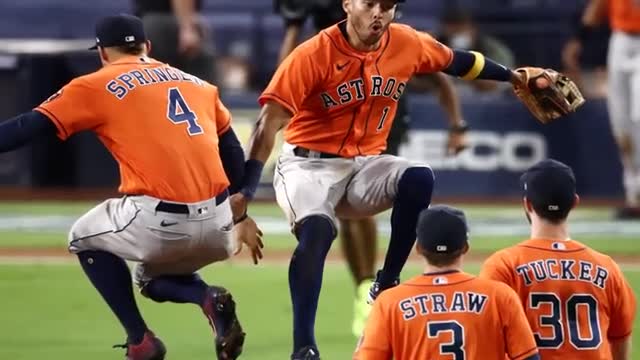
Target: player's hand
x: 248, y: 233
x: 456, y: 142
x: 571, y: 55
x: 238, y: 204
x: 189, y: 40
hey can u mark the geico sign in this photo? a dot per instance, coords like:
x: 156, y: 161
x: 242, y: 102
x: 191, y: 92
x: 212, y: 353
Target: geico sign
x: 488, y: 151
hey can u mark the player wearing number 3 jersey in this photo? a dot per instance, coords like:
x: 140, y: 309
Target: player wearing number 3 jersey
x: 180, y: 162
x: 577, y: 300
x: 446, y: 314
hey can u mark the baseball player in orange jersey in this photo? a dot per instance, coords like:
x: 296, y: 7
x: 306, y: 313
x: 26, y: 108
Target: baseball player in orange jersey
x: 359, y: 236
x: 336, y: 96
x: 623, y: 96
x: 577, y: 300
x: 446, y: 313
x: 172, y: 138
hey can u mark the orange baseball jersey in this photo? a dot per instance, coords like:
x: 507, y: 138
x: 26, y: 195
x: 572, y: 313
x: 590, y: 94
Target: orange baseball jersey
x: 576, y: 299
x: 625, y: 15
x: 343, y: 101
x: 160, y: 124
x: 448, y: 316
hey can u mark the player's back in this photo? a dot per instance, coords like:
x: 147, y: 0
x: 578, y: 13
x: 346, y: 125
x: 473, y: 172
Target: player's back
x: 160, y: 124
x: 576, y: 299
x: 447, y: 316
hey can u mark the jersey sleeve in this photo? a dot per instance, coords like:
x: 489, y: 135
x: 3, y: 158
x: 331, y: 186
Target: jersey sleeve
x: 495, y: 268
x: 293, y: 81
x: 71, y: 109
x: 434, y: 56
x: 375, y: 343
x: 223, y: 116
x: 518, y: 335
x: 623, y: 306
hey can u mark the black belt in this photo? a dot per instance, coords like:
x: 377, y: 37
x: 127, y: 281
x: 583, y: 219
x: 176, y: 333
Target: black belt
x: 303, y: 152
x: 176, y: 208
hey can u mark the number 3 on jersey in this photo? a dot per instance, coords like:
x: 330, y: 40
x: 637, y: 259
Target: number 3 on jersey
x: 455, y: 348
x: 178, y: 112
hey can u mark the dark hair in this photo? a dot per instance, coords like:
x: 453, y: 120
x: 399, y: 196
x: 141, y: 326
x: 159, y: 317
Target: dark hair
x: 442, y: 259
x: 554, y: 217
x: 131, y: 49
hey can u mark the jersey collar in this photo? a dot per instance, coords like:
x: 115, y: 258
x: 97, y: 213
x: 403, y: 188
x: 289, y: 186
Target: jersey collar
x: 553, y: 244
x: 339, y: 33
x: 135, y: 60
x: 440, y: 279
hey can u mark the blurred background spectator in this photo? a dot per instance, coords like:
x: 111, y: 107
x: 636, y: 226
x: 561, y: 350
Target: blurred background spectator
x: 178, y: 35
x: 459, y: 31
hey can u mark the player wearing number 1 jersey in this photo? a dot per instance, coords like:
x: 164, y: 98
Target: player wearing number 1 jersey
x: 179, y: 161
x: 577, y: 300
x: 335, y: 96
x: 446, y: 314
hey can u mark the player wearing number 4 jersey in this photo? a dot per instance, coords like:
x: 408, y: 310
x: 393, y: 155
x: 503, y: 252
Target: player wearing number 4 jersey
x: 179, y: 161
x: 445, y: 313
x: 577, y: 300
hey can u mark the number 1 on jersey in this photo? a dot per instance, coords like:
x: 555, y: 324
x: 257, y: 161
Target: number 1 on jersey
x: 383, y: 118
x: 178, y: 112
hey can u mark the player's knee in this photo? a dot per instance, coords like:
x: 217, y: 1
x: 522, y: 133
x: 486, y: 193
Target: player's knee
x: 315, y: 234
x: 416, y: 184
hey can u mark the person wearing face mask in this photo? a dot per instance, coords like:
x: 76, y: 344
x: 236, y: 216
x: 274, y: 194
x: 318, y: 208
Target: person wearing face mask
x: 458, y: 31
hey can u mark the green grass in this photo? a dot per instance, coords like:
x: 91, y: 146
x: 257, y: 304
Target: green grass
x: 52, y: 312
x: 624, y: 245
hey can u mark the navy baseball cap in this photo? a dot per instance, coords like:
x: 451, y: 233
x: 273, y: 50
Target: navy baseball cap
x: 550, y: 186
x: 442, y: 229
x: 119, y: 30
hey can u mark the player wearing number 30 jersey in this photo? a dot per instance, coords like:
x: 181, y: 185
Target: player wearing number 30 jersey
x: 577, y: 300
x: 446, y: 314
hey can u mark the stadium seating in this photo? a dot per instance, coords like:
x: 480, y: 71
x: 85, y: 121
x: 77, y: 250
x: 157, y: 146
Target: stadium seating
x: 249, y: 27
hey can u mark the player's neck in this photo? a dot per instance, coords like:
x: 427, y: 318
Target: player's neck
x: 544, y: 230
x: 431, y: 269
x: 356, y: 43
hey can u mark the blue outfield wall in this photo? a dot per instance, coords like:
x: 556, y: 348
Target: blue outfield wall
x: 505, y: 140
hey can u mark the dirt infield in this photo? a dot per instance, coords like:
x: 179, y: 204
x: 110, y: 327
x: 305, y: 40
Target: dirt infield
x: 57, y: 254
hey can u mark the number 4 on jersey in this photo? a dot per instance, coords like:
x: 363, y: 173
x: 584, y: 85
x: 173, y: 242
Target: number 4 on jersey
x: 178, y: 112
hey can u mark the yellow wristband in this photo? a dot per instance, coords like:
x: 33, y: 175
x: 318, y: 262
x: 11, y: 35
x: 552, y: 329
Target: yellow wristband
x: 476, y: 69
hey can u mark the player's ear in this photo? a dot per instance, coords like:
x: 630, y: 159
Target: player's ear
x: 524, y: 203
x: 148, y: 44
x: 576, y: 201
x: 465, y: 249
x: 103, y: 54
x: 345, y: 5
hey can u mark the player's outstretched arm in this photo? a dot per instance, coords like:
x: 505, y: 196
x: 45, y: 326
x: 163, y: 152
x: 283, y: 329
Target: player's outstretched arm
x: 471, y: 65
x: 18, y: 131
